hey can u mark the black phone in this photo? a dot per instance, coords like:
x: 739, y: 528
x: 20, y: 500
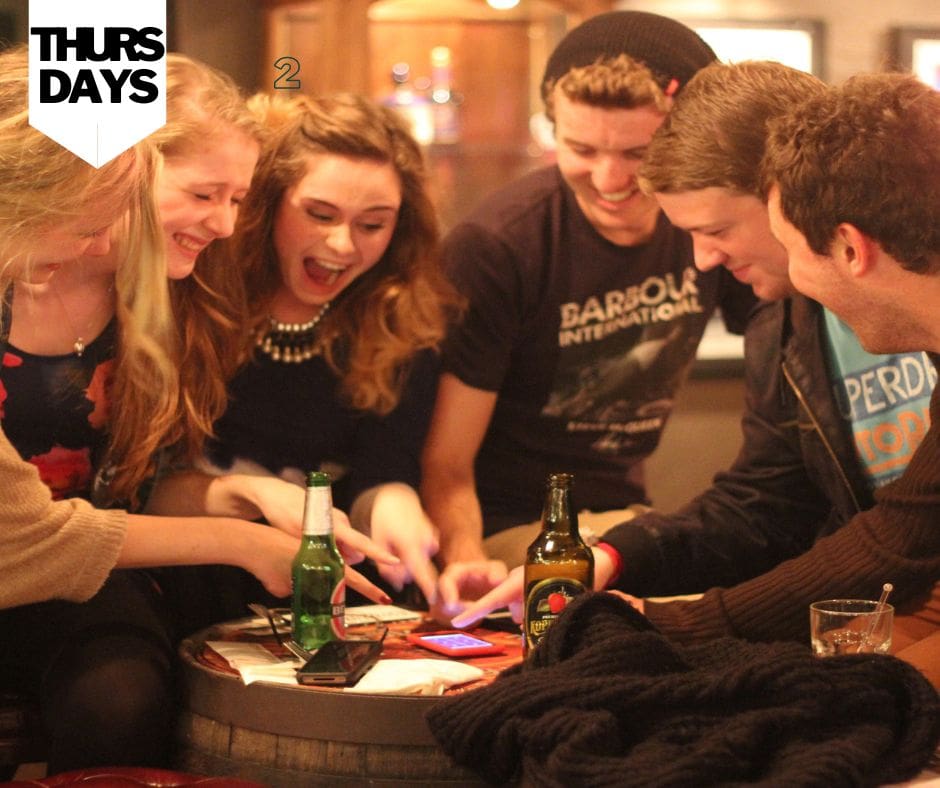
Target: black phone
x: 340, y: 662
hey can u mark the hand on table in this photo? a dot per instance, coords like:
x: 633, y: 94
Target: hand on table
x: 509, y: 592
x: 494, y: 589
x: 399, y: 526
x: 463, y: 583
x: 637, y: 603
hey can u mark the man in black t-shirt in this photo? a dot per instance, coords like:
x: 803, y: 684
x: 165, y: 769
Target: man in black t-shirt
x: 585, y: 311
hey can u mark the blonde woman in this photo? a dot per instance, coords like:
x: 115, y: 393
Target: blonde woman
x: 102, y: 669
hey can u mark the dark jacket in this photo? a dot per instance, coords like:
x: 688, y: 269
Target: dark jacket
x: 796, y: 478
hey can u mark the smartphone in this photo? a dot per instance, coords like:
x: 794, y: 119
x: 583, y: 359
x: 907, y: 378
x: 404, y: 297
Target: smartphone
x: 340, y: 662
x: 455, y: 643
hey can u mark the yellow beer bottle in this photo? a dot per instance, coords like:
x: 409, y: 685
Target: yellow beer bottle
x: 558, y: 564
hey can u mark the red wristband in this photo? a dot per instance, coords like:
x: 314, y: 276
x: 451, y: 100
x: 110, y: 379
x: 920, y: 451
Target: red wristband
x: 616, y: 558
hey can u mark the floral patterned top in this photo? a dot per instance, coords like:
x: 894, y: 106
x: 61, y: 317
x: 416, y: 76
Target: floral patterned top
x: 54, y: 410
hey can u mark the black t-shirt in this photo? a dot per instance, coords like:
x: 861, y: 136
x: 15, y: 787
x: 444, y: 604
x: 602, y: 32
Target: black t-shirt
x: 585, y: 341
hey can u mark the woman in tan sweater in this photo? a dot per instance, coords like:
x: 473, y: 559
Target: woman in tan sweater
x: 54, y: 208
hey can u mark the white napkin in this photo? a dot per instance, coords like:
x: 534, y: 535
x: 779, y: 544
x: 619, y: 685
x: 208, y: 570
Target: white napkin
x: 255, y: 663
x: 382, y: 613
x: 415, y: 676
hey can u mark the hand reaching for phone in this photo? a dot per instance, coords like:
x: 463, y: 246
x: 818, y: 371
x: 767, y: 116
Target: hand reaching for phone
x: 508, y: 593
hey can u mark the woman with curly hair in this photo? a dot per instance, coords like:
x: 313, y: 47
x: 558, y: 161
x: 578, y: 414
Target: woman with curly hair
x: 346, y: 304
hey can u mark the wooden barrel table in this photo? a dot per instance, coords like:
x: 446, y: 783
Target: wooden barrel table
x: 292, y: 735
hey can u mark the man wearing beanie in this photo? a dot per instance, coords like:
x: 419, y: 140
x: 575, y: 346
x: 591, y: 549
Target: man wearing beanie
x: 584, y: 311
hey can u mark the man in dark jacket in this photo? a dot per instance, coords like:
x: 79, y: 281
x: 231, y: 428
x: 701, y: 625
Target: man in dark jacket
x: 826, y: 424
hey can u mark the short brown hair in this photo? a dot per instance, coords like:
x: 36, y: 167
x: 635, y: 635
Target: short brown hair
x: 716, y: 133
x: 866, y: 153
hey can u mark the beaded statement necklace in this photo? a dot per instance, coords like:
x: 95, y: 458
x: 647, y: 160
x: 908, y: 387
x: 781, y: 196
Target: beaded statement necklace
x: 291, y: 343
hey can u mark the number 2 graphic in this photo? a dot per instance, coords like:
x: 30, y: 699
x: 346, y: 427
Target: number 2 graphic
x: 289, y: 68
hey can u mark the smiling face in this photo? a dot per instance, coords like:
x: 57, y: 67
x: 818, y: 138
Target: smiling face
x: 599, y: 152
x: 732, y: 229
x: 198, y: 194
x: 331, y: 227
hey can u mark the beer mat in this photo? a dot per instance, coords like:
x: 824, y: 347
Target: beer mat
x: 396, y: 646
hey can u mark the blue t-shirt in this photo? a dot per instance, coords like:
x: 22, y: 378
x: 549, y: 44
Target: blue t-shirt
x: 884, y: 398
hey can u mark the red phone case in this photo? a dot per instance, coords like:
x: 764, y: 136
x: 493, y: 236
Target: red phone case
x: 481, y: 647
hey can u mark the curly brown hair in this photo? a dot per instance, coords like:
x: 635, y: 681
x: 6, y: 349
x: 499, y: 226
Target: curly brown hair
x: 403, y: 303
x: 612, y: 83
x: 866, y: 153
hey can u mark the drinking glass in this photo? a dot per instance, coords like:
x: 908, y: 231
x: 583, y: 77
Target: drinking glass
x: 850, y: 626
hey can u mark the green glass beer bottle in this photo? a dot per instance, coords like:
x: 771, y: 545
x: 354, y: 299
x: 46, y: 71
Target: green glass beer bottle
x: 319, y: 600
x: 558, y: 564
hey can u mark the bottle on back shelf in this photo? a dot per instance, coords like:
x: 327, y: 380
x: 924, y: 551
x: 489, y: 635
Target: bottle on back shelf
x: 443, y: 101
x: 413, y: 105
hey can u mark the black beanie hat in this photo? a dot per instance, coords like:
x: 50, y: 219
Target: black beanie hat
x: 666, y: 47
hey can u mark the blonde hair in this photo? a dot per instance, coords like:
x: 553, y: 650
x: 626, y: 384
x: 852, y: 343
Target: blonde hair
x: 399, y: 306
x: 716, y: 134
x: 202, y: 103
x: 44, y: 184
x: 612, y: 83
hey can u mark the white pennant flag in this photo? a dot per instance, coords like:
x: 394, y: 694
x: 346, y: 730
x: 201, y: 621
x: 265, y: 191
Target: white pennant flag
x: 97, y: 73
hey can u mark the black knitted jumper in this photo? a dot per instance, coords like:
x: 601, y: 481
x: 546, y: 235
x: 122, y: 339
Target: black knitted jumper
x: 605, y: 700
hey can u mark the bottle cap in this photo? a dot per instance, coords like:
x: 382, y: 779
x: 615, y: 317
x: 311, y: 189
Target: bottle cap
x: 318, y: 479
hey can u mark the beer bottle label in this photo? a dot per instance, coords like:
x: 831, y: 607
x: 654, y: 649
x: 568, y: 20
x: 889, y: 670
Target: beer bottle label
x: 544, y: 603
x: 318, y: 512
x: 338, y: 610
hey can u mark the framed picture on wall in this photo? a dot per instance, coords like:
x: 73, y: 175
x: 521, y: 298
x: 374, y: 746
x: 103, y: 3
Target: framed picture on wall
x: 918, y: 50
x: 797, y: 42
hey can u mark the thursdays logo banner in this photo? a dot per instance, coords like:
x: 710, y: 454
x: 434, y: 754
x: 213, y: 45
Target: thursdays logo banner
x: 97, y: 73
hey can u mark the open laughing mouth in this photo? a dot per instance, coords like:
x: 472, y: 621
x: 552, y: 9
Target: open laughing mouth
x: 322, y: 273
x: 617, y: 196
x: 615, y: 201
